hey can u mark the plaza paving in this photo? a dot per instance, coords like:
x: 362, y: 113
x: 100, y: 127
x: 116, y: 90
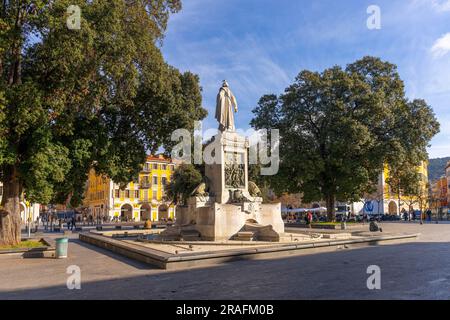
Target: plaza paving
x: 414, y: 270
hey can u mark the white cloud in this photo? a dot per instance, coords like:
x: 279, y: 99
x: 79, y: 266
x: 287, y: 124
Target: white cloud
x: 441, y: 5
x: 441, y: 46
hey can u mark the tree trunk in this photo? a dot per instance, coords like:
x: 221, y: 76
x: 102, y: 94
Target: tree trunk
x: 331, y: 207
x: 10, y: 230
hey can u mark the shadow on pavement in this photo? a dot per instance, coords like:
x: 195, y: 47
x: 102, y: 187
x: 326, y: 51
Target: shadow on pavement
x: 131, y: 262
x: 408, y: 271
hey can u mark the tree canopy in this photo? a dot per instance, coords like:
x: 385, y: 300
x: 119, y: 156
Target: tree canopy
x: 339, y: 127
x: 184, y: 181
x: 99, y: 97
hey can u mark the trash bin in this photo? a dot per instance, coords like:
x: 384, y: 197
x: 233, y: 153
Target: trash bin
x: 61, y: 248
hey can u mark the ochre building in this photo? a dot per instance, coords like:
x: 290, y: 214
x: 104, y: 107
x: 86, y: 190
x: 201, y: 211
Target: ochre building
x: 139, y: 201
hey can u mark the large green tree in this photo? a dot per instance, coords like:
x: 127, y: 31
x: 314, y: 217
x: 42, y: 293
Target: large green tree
x: 339, y: 127
x: 184, y: 181
x: 74, y: 99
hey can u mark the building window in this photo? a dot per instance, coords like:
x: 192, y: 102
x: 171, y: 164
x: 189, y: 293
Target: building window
x: 127, y: 193
x: 164, y: 166
x: 116, y: 193
x: 147, y: 167
x: 136, y: 193
x: 155, y: 180
x: 164, y: 181
x: 155, y: 166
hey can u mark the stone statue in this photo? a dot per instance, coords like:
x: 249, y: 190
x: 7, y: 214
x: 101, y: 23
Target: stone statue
x: 226, y: 102
x: 253, y: 189
x: 200, y: 191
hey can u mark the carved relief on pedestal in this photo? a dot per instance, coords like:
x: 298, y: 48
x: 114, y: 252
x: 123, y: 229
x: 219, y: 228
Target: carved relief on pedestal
x: 234, y: 171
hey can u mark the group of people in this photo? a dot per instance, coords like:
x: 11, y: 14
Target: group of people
x: 411, y: 215
x: 71, y: 223
x: 304, y: 216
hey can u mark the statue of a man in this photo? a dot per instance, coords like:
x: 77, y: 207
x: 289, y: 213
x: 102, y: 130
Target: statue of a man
x: 226, y: 102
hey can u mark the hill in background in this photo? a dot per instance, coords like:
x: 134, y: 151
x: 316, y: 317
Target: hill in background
x: 436, y: 168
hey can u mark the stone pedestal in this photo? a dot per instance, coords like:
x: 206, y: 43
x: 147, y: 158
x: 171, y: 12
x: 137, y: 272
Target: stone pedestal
x: 228, y: 176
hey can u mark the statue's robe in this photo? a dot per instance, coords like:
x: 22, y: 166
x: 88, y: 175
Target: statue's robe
x: 226, y: 102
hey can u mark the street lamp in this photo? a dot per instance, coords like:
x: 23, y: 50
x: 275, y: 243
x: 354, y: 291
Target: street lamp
x: 29, y: 221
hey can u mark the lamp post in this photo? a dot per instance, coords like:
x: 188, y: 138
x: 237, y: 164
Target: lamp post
x: 29, y: 222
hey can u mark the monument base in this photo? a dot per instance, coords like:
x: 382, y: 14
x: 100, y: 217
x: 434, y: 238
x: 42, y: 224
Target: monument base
x: 216, y: 222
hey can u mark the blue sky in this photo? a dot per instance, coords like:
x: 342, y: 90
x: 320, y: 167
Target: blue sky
x: 259, y: 46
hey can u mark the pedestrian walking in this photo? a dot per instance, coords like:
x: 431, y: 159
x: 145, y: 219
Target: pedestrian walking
x: 73, y: 223
x: 309, y: 219
x: 404, y: 215
x: 428, y: 212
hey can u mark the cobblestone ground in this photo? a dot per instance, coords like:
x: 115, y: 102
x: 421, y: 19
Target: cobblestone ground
x: 414, y: 270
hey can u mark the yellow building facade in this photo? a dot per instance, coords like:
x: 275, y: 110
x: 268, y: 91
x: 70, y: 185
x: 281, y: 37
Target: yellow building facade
x: 392, y: 204
x: 139, y: 201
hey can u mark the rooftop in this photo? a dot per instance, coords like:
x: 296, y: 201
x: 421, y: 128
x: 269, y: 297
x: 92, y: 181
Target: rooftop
x: 158, y: 158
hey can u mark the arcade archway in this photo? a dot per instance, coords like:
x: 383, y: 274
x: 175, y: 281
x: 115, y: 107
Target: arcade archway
x: 392, y: 209
x: 163, y: 212
x: 146, y: 210
x: 126, y: 212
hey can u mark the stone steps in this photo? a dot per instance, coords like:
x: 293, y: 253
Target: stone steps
x: 190, y: 235
x: 257, y: 232
x: 245, y: 236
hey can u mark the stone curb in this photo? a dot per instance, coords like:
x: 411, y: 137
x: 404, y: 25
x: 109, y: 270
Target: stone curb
x: 38, y: 252
x: 172, y: 262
